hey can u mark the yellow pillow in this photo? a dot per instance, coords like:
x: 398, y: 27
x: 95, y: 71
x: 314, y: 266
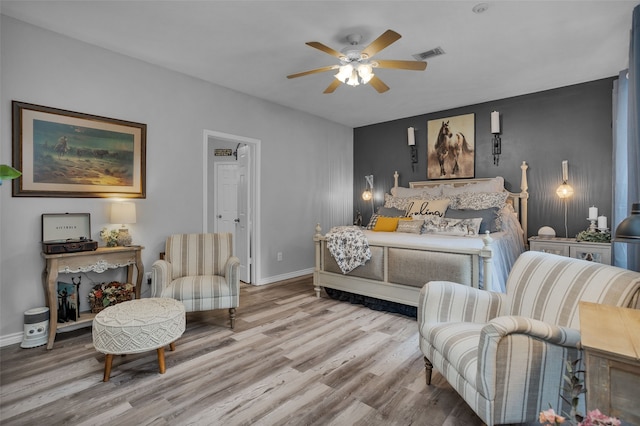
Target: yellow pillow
x: 386, y: 224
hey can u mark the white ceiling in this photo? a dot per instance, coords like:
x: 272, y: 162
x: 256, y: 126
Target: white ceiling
x: 513, y: 48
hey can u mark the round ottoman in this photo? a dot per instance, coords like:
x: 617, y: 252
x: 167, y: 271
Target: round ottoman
x: 138, y: 326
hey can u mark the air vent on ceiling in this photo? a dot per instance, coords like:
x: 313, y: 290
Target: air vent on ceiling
x: 428, y: 54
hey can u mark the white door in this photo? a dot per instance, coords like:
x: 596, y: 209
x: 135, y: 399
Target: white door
x: 243, y: 226
x: 226, y: 198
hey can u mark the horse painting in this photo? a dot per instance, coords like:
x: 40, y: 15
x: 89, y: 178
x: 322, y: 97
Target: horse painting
x: 450, y: 146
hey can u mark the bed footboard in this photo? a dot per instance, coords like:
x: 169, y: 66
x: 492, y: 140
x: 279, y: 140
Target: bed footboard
x: 397, y: 273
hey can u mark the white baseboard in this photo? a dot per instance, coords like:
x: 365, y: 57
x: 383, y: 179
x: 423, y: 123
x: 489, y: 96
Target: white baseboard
x: 287, y: 276
x: 11, y: 339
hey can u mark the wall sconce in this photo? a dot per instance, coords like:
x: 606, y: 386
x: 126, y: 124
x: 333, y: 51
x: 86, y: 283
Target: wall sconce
x: 496, y: 143
x: 123, y: 213
x: 8, y: 173
x: 565, y: 191
x: 367, y: 195
x: 411, y: 141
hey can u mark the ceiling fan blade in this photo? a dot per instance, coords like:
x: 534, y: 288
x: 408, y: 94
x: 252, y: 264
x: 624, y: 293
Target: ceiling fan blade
x: 402, y: 65
x: 325, y: 49
x: 315, y: 71
x: 333, y: 86
x: 381, y: 42
x: 378, y: 84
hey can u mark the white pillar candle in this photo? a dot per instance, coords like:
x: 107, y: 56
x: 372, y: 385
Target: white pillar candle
x: 593, y: 213
x: 411, y: 136
x: 495, y: 122
x: 602, y: 222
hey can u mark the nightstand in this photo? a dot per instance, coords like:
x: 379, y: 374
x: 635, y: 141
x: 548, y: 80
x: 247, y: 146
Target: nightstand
x: 595, y: 252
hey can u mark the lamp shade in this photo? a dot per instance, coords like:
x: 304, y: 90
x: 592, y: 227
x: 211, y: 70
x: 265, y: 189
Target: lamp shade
x: 629, y: 229
x: 564, y: 191
x: 124, y: 212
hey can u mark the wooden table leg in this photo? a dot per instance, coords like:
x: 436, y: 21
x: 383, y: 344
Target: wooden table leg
x: 108, y: 359
x: 161, y: 360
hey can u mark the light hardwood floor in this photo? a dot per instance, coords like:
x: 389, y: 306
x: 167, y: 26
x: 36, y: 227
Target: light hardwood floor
x: 293, y: 359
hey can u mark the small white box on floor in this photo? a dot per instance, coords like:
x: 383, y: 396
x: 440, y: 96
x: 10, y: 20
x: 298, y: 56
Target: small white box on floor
x: 36, y: 327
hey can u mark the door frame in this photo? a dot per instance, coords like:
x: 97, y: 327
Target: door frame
x: 254, y: 185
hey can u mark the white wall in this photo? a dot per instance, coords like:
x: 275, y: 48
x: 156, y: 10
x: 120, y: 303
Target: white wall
x: 306, y: 162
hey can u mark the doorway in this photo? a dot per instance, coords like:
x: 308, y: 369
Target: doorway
x: 231, y: 188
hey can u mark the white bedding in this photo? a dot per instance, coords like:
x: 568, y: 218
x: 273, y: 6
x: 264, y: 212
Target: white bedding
x: 507, y: 245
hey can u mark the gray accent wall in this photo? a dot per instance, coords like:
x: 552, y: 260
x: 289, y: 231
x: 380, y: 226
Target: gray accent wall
x: 570, y: 123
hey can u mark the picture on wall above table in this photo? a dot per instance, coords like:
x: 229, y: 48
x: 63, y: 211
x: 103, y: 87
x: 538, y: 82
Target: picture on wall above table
x: 451, y: 147
x: 70, y: 154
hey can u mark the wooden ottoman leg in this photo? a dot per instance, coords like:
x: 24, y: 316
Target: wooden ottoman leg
x: 108, y: 359
x: 161, y: 360
x: 172, y: 346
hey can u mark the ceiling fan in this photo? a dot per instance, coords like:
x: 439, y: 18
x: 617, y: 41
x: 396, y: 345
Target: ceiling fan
x: 356, y: 66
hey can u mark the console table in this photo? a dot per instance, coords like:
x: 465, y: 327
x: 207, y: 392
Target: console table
x: 100, y: 260
x: 611, y: 343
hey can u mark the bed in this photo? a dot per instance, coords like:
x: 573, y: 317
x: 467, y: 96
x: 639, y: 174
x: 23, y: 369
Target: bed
x: 402, y: 262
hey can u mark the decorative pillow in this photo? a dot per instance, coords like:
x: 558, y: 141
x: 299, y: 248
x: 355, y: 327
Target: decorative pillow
x: 489, y: 217
x: 401, y: 202
x: 372, y: 221
x: 493, y: 185
x: 427, y: 207
x: 391, y: 212
x: 410, y: 226
x: 417, y: 192
x: 479, y: 200
x: 387, y: 224
x: 448, y: 226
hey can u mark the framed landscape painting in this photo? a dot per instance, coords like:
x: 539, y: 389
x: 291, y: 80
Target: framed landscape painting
x: 70, y: 154
x: 451, y: 147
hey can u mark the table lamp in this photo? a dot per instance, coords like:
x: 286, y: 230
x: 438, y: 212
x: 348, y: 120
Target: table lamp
x: 123, y: 213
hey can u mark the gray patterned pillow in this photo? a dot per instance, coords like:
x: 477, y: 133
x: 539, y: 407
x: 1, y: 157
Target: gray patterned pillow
x: 490, y: 217
x: 402, y: 202
x: 448, y: 226
x: 373, y: 221
x: 478, y: 200
x: 410, y: 226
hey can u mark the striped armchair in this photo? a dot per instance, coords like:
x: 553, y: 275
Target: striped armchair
x: 505, y: 353
x: 200, y: 271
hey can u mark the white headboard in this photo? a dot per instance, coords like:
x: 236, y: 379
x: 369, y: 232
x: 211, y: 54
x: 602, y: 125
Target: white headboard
x: 517, y: 199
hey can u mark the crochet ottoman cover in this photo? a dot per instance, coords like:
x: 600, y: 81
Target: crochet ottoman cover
x: 138, y: 325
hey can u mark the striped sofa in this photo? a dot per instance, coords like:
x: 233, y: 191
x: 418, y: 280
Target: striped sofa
x: 200, y: 271
x: 505, y: 353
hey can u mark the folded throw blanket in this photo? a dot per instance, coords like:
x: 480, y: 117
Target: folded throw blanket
x: 348, y: 246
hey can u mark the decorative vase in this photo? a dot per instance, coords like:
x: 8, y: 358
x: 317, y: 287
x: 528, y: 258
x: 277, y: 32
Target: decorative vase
x: 124, y: 238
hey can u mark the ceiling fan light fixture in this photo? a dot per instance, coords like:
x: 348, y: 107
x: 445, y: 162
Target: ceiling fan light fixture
x: 353, y: 80
x: 344, y: 72
x: 365, y: 71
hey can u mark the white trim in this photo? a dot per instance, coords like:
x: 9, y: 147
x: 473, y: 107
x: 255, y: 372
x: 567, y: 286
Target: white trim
x: 11, y: 339
x: 287, y: 276
x: 255, y: 196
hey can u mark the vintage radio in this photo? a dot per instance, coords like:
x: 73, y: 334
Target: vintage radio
x: 67, y: 233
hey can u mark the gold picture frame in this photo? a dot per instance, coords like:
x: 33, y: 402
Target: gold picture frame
x: 70, y: 154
